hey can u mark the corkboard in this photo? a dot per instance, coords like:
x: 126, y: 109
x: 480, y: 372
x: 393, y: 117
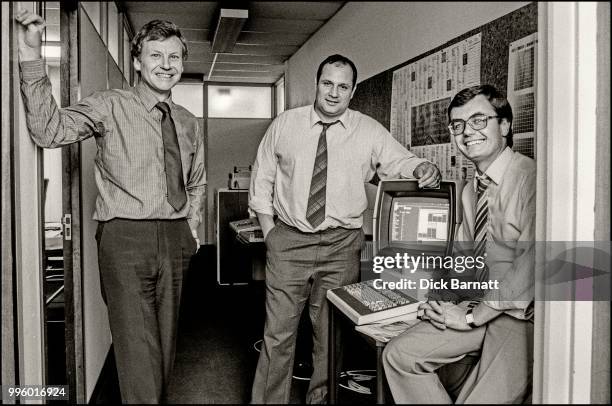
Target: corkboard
x: 373, y: 95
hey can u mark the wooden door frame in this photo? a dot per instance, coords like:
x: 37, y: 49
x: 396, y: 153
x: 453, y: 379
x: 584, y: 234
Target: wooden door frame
x: 25, y: 195
x: 566, y: 185
x: 8, y: 342
x: 71, y: 205
x: 17, y: 242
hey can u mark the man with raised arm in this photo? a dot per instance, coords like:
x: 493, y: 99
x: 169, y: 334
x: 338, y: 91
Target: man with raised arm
x: 149, y: 171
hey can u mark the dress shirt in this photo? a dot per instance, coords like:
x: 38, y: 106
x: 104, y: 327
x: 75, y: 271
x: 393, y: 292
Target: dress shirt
x: 357, y: 147
x: 510, y: 228
x: 129, y: 164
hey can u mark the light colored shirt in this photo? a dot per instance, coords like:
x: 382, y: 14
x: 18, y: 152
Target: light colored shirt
x: 357, y: 148
x: 129, y: 165
x: 510, y: 228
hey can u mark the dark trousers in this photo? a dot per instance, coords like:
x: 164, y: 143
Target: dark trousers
x: 141, y: 274
x: 300, y: 267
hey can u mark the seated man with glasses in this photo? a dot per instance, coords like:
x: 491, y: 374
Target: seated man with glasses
x: 499, y: 220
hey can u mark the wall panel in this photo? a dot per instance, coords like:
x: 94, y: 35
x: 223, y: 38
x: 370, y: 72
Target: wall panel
x: 93, y: 77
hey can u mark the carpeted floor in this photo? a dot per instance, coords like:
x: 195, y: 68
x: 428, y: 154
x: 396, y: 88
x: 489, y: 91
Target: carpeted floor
x: 219, y: 325
x: 213, y: 362
x: 215, y: 358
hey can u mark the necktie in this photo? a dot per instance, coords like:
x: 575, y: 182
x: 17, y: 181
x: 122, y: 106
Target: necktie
x: 315, y: 211
x: 480, y: 225
x: 172, y: 160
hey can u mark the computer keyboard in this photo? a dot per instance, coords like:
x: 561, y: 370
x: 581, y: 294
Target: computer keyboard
x: 363, y: 303
x: 376, y: 299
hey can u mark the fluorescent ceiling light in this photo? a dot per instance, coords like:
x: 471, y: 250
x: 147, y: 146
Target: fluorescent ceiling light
x: 228, y: 29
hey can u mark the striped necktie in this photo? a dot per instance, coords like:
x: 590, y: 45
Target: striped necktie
x: 480, y: 225
x: 315, y: 211
x: 172, y: 160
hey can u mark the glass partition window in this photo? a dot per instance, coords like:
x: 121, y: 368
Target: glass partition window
x: 127, y: 59
x: 113, y: 31
x: 239, y: 101
x: 279, y: 93
x: 190, y: 96
x: 52, y: 21
x: 51, y: 34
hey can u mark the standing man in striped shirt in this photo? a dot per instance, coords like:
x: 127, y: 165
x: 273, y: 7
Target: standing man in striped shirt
x: 149, y: 170
x: 310, y: 172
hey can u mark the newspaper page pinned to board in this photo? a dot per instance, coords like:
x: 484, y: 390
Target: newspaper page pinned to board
x: 421, y: 93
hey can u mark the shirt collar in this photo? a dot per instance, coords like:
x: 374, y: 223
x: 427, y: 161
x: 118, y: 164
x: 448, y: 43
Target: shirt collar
x: 496, y: 170
x: 314, y: 117
x: 148, y: 98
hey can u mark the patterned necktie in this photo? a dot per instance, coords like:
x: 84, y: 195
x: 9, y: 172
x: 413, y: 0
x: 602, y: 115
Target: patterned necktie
x: 315, y: 211
x: 480, y: 225
x: 172, y: 160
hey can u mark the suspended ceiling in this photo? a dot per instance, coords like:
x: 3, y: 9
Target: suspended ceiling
x: 272, y: 33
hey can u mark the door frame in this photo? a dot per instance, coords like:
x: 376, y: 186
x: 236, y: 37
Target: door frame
x: 26, y: 214
x: 71, y: 206
x: 8, y: 321
x: 566, y: 185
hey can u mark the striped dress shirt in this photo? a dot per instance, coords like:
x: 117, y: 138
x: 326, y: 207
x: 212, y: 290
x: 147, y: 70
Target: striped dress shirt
x: 510, y: 230
x: 129, y: 163
x: 357, y: 148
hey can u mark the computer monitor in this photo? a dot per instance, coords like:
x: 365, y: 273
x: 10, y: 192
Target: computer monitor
x: 413, y: 220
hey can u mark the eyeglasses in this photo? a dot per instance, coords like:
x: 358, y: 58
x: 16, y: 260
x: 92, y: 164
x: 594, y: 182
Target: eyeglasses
x: 477, y: 122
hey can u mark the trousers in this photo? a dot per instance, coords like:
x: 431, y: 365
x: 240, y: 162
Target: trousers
x: 502, y: 374
x: 141, y: 266
x: 299, y: 267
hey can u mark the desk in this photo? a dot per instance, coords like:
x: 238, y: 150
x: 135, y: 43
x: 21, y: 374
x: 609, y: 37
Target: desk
x: 451, y: 376
x: 257, y: 254
x: 336, y: 320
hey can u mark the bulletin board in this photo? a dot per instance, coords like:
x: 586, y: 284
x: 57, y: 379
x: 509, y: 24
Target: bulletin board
x: 483, y: 57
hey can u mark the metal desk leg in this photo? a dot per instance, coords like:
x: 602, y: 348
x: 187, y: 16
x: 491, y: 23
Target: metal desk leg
x: 380, y: 376
x: 333, y: 358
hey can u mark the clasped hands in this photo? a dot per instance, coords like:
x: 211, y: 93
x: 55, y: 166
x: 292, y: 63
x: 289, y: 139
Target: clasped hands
x: 444, y: 315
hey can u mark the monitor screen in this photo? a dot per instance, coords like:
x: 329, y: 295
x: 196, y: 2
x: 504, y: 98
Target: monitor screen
x: 410, y: 219
x: 418, y: 219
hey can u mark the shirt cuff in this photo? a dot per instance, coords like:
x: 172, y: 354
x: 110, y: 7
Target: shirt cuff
x: 193, y: 223
x: 33, y: 69
x: 262, y: 209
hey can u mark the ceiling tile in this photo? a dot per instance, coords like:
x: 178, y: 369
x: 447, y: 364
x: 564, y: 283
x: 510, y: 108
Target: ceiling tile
x: 269, y: 38
x: 273, y: 32
x: 298, y: 10
x: 285, y: 50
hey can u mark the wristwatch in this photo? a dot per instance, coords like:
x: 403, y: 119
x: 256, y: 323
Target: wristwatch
x: 469, y: 316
